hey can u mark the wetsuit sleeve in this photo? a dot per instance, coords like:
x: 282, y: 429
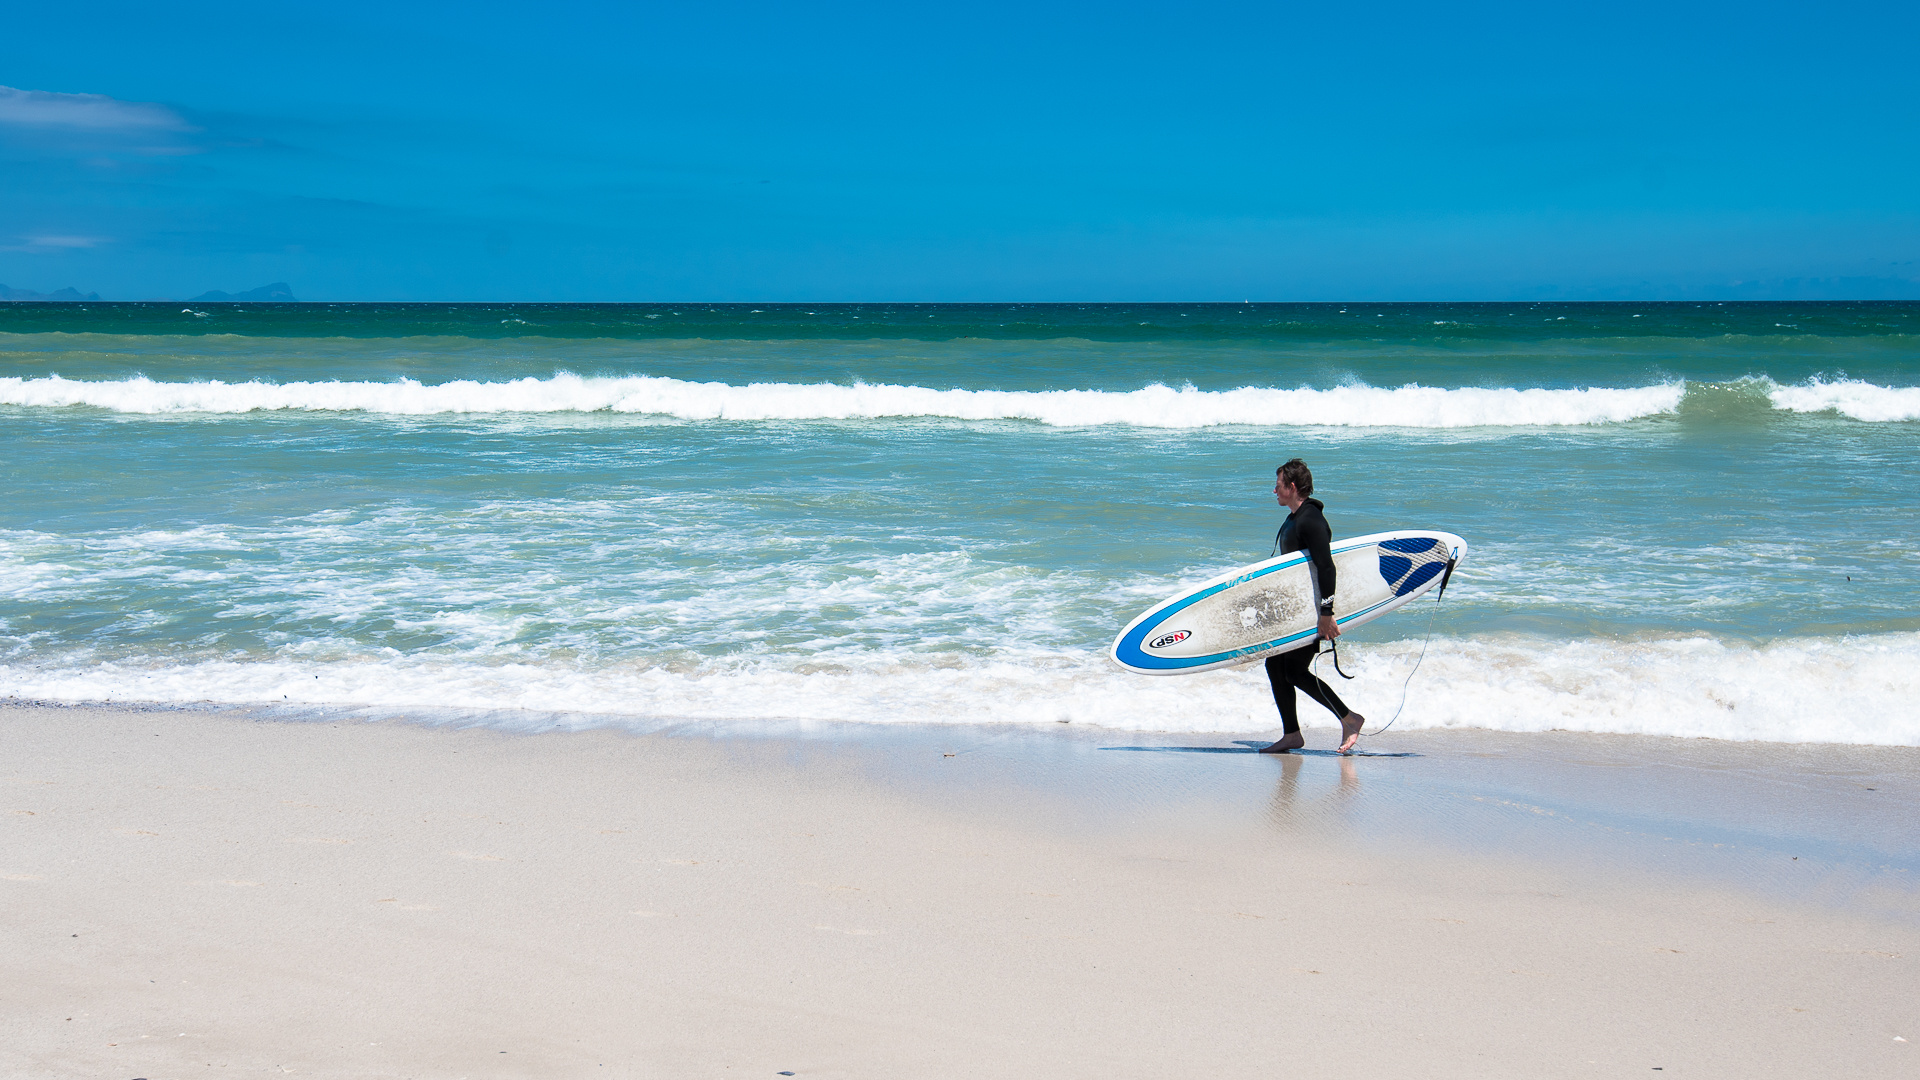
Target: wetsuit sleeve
x: 1316, y: 539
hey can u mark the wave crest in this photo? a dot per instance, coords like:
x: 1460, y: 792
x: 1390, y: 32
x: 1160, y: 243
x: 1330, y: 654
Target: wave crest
x: 1850, y: 397
x: 1156, y: 406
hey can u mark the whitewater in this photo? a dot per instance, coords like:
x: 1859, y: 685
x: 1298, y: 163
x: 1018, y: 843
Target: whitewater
x: 1698, y: 687
x: 1151, y: 406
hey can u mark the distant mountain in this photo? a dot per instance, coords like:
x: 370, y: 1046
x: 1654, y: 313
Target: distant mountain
x: 278, y: 292
x: 66, y: 295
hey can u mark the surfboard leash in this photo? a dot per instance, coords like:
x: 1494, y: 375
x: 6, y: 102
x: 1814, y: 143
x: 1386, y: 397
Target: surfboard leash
x: 1334, y: 647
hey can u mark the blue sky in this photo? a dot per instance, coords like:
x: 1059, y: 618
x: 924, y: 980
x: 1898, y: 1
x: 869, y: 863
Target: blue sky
x: 989, y: 151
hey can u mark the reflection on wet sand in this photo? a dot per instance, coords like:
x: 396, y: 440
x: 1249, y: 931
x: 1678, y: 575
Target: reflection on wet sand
x: 1287, y: 811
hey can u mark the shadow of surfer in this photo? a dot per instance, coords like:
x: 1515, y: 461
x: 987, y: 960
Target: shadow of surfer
x: 1306, y: 529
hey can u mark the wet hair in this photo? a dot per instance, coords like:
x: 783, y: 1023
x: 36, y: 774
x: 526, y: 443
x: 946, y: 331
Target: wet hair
x: 1295, y: 472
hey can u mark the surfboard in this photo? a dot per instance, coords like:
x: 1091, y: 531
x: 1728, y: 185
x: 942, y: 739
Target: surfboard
x: 1270, y: 607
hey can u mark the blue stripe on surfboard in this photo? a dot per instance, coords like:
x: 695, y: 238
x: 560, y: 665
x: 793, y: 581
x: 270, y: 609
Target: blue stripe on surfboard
x: 1131, y: 643
x: 1139, y: 633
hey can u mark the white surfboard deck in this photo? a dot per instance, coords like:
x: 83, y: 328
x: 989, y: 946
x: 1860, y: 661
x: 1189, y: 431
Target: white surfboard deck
x: 1270, y: 607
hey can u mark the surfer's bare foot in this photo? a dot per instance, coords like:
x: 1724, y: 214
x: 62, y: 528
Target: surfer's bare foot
x: 1350, y: 726
x: 1291, y: 741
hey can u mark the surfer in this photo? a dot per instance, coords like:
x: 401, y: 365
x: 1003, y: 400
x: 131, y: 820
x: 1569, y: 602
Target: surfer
x: 1306, y: 530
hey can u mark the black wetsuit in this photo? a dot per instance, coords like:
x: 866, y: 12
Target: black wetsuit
x: 1306, y: 530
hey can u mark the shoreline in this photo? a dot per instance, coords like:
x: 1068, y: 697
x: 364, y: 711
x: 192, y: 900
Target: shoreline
x: 377, y: 898
x: 1726, y: 795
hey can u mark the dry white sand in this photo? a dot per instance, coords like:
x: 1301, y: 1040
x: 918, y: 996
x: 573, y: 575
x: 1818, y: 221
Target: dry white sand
x: 189, y: 894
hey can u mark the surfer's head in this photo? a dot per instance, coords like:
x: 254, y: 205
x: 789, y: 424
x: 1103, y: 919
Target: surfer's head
x: 1296, y: 475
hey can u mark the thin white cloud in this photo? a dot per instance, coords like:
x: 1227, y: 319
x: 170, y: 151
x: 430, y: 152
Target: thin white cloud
x: 55, y: 243
x: 85, y: 112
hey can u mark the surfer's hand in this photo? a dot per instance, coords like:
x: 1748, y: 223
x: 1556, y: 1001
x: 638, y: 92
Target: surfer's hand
x: 1328, y: 628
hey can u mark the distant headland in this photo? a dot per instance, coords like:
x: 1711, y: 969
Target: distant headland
x: 61, y: 296
x: 277, y: 293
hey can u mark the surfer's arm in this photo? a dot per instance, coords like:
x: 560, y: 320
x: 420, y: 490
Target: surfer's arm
x: 1319, y: 546
x: 1320, y: 552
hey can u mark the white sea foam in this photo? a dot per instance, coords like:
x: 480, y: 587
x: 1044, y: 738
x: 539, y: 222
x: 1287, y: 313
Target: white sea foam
x: 1840, y: 689
x: 1850, y: 397
x: 1154, y: 406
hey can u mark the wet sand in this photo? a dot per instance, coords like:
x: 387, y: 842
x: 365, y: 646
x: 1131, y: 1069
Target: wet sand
x: 182, y: 892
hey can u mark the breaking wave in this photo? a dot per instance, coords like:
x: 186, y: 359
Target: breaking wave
x: 1849, y: 397
x: 1155, y: 406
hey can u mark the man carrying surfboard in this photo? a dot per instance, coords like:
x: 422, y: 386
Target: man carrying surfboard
x: 1306, y: 530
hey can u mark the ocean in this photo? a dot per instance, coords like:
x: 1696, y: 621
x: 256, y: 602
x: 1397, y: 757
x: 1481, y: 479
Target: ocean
x: 1685, y: 519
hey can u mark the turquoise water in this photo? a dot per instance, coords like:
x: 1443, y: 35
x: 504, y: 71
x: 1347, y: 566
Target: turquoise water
x: 1685, y: 519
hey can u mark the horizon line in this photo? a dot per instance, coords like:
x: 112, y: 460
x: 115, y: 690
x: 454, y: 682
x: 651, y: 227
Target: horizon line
x: 961, y: 303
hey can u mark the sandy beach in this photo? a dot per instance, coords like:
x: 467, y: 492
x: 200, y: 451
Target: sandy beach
x: 192, y: 891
